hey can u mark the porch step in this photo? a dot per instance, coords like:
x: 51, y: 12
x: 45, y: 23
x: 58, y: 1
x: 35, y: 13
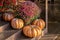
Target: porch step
x: 6, y: 30
x: 3, y: 26
x: 58, y: 38
x: 6, y: 34
x: 20, y: 36
x: 49, y: 37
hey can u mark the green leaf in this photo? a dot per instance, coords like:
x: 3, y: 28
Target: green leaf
x: 0, y: 6
x: 32, y: 19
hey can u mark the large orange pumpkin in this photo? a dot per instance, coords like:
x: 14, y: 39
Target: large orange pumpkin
x: 8, y: 16
x: 17, y: 23
x: 32, y: 31
x: 39, y: 22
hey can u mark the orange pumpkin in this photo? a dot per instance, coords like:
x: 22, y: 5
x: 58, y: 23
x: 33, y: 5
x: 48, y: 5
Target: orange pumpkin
x: 8, y: 16
x: 32, y: 31
x: 39, y: 22
x: 17, y: 23
x: 21, y: 0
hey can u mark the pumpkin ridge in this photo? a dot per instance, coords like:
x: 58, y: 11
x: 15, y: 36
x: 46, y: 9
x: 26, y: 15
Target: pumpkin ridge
x: 39, y: 31
x: 35, y: 21
x: 38, y: 23
x: 36, y: 31
x: 18, y: 24
x: 42, y: 22
x: 32, y: 32
x: 24, y: 30
x: 15, y: 22
x: 27, y: 32
x: 8, y: 16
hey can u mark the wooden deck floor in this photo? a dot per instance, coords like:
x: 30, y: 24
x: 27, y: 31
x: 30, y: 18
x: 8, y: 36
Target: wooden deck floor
x: 53, y: 31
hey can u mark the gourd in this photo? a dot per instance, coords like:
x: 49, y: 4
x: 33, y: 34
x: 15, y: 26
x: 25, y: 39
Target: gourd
x: 40, y: 23
x: 8, y: 16
x: 17, y: 23
x: 32, y: 31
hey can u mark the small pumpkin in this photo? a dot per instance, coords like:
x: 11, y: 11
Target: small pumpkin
x: 39, y: 22
x: 21, y: 0
x: 17, y: 23
x: 32, y: 31
x: 8, y: 16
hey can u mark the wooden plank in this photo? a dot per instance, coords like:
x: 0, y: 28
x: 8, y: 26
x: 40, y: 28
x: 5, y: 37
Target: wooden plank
x: 19, y: 36
x: 6, y: 34
x: 58, y: 38
x: 3, y: 26
x: 49, y: 37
